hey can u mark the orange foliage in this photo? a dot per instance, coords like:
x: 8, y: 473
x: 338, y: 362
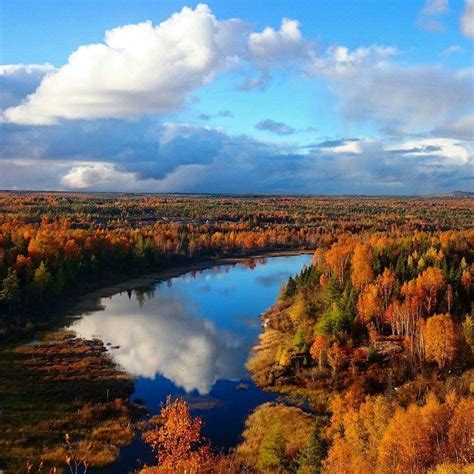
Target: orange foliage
x: 178, y: 444
x: 369, y: 305
x: 377, y: 438
x: 440, y: 339
x: 337, y: 259
x: 362, y: 263
x: 319, y: 349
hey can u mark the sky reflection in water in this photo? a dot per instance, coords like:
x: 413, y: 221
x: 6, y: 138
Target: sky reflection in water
x: 194, y: 329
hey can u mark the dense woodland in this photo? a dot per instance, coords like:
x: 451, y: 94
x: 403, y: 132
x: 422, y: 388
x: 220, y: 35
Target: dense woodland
x: 384, y: 321
x: 50, y: 242
x: 372, y: 345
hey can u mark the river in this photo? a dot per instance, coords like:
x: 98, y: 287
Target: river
x: 190, y: 336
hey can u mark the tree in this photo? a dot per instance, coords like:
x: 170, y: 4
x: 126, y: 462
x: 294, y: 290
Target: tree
x: 272, y: 450
x: 285, y: 358
x: 313, y: 454
x: 355, y: 445
x: 337, y: 259
x: 416, y: 439
x: 319, y: 349
x: 42, y: 280
x: 299, y: 343
x: 369, y: 307
x: 290, y: 289
x: 333, y: 322
x: 298, y: 308
x: 362, y: 263
x: 10, y: 292
x: 432, y: 282
x: 335, y: 357
x: 440, y: 339
x: 386, y: 284
x: 178, y: 444
x: 466, y: 281
x: 468, y: 331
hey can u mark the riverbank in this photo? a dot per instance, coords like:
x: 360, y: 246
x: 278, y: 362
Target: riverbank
x: 85, y: 298
x: 178, y: 270
x: 66, y: 365
x: 63, y: 385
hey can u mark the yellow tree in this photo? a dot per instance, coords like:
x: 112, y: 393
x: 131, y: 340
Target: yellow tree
x: 298, y: 309
x: 362, y: 263
x: 440, y: 339
x: 386, y: 284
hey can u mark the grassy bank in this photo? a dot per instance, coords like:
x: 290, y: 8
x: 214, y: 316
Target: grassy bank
x: 58, y: 386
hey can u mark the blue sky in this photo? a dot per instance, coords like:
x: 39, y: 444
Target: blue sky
x: 283, y: 96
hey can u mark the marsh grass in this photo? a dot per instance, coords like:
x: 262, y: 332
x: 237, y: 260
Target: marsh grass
x: 62, y: 386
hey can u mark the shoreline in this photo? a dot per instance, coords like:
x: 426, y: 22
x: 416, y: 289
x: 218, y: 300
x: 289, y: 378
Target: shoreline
x: 90, y: 300
x: 78, y: 302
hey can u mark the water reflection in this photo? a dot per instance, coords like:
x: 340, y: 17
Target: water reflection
x: 167, y: 336
x: 193, y: 330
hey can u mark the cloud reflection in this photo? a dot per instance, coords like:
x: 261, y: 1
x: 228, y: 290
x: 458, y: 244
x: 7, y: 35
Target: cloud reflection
x: 167, y: 337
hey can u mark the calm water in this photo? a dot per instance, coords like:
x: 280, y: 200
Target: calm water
x: 191, y: 336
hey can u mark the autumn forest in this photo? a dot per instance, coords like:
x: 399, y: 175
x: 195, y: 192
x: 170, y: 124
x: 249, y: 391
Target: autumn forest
x: 367, y: 351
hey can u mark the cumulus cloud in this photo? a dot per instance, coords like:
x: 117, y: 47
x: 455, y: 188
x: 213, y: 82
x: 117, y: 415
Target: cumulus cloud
x: 146, y: 69
x: 273, y: 47
x: 138, y: 69
x: 339, y: 62
x: 87, y: 175
x: 445, y: 150
x: 467, y: 19
x: 19, y: 80
x: 272, y: 126
x: 142, y: 69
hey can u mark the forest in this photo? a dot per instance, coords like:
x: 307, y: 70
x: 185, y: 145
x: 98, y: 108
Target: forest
x: 383, y: 323
x: 371, y: 346
x: 49, y: 241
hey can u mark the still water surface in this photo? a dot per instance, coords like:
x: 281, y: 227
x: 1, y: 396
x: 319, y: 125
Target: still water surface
x: 190, y: 336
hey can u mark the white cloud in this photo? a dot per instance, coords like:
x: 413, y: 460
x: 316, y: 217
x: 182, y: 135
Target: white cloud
x: 372, y: 87
x: 435, y: 7
x: 446, y: 150
x: 86, y: 175
x: 467, y: 19
x: 345, y: 146
x: 454, y: 49
x: 339, y: 62
x: 276, y: 47
x: 146, y: 157
x: 462, y: 129
x: 139, y: 69
x: 12, y: 69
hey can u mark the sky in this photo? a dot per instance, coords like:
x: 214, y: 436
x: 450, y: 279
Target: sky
x: 319, y: 97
